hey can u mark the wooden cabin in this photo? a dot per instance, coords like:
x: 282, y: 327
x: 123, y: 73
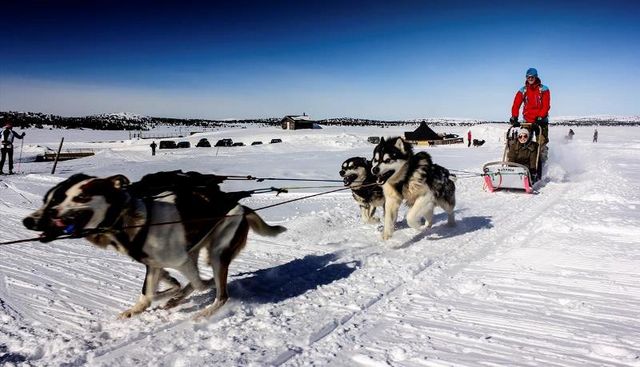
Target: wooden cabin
x: 294, y: 122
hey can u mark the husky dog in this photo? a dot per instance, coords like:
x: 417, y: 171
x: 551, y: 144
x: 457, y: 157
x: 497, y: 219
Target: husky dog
x: 356, y: 173
x: 478, y: 143
x: 162, y: 221
x: 412, y: 178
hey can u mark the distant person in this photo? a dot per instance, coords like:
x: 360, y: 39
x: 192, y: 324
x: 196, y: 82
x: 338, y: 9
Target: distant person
x: 469, y: 138
x: 525, y: 151
x: 153, y: 146
x: 571, y: 134
x: 7, y: 146
x: 537, y: 102
x: 595, y: 135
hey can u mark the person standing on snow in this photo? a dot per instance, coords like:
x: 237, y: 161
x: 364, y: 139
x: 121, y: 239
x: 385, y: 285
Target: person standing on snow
x: 7, y: 137
x: 537, y: 102
x: 595, y: 135
x: 153, y: 146
x: 469, y: 138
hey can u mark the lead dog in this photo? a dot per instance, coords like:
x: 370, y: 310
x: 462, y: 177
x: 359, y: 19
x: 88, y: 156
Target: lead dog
x: 356, y: 173
x: 412, y: 178
x: 162, y: 221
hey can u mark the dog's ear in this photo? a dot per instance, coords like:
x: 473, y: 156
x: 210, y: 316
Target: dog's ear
x: 78, y: 177
x: 382, y: 140
x: 368, y: 164
x: 119, y: 181
x: 400, y: 144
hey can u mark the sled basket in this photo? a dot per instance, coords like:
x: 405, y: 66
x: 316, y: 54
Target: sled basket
x: 507, y: 175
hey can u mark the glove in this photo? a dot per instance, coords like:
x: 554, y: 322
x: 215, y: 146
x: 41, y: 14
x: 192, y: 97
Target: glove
x: 538, y: 119
x: 23, y: 134
x: 514, y: 121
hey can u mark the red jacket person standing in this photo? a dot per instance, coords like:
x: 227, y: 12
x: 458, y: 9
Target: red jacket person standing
x: 537, y: 102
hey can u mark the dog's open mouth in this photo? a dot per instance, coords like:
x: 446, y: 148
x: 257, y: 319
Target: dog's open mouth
x: 72, y: 224
x: 348, y: 180
x: 384, y: 177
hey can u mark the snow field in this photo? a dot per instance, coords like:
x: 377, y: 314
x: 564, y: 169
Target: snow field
x: 546, y: 279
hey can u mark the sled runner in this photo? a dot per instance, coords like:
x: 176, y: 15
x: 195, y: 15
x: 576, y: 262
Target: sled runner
x: 511, y: 175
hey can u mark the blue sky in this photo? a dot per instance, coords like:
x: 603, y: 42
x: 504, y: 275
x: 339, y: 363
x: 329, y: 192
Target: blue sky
x: 369, y: 59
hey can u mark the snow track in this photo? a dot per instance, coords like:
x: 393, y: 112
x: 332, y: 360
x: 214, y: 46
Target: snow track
x: 345, y: 310
x: 547, y: 279
x: 476, y: 238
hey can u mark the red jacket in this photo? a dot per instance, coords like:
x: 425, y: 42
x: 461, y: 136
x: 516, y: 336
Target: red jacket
x: 537, y: 102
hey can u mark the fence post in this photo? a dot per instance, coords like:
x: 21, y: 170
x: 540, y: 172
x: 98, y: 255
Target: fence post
x: 53, y: 170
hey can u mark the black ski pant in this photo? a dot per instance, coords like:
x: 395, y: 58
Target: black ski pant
x: 544, y: 129
x: 5, y: 152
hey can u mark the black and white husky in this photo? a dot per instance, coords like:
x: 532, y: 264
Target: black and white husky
x: 162, y: 221
x: 414, y: 179
x: 356, y: 173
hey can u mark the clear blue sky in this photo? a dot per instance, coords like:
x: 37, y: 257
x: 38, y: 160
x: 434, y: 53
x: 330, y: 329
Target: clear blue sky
x: 369, y: 59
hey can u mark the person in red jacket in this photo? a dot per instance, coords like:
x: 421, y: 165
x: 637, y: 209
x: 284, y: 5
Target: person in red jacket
x: 537, y: 102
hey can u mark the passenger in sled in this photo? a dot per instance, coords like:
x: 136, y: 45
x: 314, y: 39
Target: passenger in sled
x: 525, y: 151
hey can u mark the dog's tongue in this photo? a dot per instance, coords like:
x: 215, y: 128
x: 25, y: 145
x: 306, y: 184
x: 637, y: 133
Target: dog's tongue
x: 383, y: 178
x: 59, y: 223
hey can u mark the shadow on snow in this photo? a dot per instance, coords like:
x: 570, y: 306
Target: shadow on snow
x: 463, y: 226
x: 281, y: 282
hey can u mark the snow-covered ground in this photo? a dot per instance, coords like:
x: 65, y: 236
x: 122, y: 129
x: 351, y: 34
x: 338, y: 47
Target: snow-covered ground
x: 545, y: 280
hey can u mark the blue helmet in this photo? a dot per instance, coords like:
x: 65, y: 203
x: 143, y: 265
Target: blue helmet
x: 532, y: 72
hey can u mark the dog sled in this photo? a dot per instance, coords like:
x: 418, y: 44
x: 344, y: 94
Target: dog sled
x: 505, y: 175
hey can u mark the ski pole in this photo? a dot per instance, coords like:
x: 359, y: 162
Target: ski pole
x: 20, y: 157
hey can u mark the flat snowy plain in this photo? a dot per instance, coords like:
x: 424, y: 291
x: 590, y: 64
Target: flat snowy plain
x: 550, y: 279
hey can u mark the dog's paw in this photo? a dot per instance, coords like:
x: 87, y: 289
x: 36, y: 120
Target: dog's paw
x: 166, y: 293
x: 203, y: 315
x: 386, y: 236
x: 173, y: 302
x: 207, y: 312
x: 142, y: 304
x: 416, y: 224
x: 127, y: 314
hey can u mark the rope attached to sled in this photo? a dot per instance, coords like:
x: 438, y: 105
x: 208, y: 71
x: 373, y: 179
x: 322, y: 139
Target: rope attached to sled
x: 261, y: 179
x: 278, y: 191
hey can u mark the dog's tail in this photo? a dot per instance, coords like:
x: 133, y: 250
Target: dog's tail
x: 260, y: 226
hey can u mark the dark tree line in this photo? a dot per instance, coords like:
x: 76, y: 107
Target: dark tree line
x: 115, y: 122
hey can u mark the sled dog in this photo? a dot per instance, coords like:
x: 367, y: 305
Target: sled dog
x: 478, y: 143
x: 161, y: 221
x: 356, y: 173
x: 414, y: 179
